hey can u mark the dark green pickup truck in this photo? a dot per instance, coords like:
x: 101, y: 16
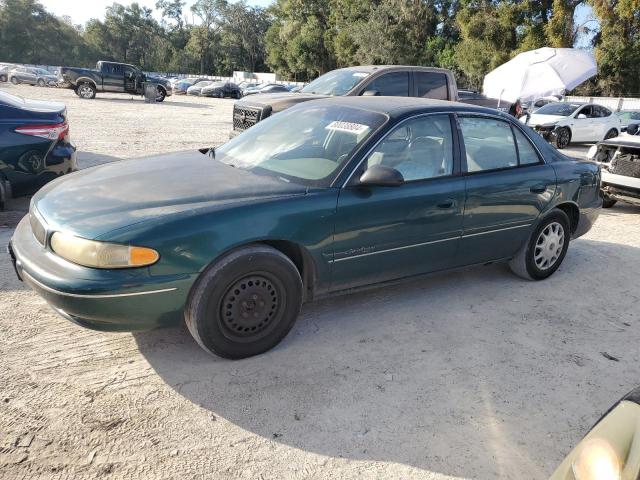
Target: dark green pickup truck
x: 112, y: 77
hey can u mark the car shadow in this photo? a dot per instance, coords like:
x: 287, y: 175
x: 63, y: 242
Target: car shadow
x: 167, y: 102
x: 476, y: 374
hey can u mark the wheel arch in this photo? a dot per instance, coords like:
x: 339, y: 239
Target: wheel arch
x: 82, y: 80
x: 572, y: 211
x: 295, y: 252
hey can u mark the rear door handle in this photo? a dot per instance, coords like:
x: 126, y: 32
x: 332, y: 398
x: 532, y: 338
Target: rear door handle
x: 538, y: 189
x: 448, y: 203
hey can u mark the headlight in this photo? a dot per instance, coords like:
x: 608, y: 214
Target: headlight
x: 91, y: 253
x: 591, y: 154
x: 597, y: 461
x: 550, y: 124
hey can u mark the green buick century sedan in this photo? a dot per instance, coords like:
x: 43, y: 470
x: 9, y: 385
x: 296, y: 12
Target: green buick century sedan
x: 327, y: 196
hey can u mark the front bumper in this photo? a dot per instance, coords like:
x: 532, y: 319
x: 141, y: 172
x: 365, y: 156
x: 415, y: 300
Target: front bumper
x: 109, y: 300
x: 621, y: 188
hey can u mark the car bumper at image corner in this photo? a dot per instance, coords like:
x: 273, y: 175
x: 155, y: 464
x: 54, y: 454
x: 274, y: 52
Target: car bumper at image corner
x: 108, y: 300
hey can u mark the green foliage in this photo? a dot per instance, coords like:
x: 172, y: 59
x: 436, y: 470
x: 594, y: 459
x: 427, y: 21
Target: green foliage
x: 300, y: 39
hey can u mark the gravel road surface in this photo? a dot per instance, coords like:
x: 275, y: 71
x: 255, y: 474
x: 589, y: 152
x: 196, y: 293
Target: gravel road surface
x: 475, y: 374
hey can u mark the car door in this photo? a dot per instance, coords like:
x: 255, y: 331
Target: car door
x: 507, y: 187
x: 384, y: 233
x: 112, y: 77
x: 582, y: 125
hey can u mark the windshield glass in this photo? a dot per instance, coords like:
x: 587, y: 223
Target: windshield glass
x: 307, y: 145
x: 337, y: 82
x: 560, y: 108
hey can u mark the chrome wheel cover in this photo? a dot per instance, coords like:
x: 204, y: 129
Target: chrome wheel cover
x: 549, y: 245
x: 86, y: 91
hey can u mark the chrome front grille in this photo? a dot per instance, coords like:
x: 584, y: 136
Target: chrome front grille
x: 37, y: 227
x: 245, y: 117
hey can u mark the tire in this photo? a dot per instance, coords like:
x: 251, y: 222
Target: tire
x: 608, y: 202
x: 237, y: 95
x: 562, y: 138
x: 245, y: 303
x: 161, y: 95
x: 544, y: 243
x: 3, y: 78
x: 41, y: 83
x: 86, y: 91
x: 611, y: 134
x: 14, y: 80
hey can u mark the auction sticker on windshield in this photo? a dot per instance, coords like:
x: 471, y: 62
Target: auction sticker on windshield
x: 350, y: 127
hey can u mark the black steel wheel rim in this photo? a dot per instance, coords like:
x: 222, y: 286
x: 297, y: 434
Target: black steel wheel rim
x: 251, y: 307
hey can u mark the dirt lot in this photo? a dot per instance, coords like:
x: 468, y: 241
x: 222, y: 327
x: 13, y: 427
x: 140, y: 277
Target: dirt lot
x: 474, y: 375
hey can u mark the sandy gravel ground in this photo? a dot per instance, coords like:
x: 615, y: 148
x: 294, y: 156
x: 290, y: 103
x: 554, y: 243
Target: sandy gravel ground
x: 475, y: 374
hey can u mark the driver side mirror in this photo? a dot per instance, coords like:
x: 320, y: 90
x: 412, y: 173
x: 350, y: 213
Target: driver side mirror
x: 632, y: 128
x: 381, y: 176
x: 371, y: 93
x: 581, y: 116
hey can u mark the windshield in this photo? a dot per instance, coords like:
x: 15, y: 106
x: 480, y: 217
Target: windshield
x: 337, y: 82
x: 560, y: 108
x: 307, y: 145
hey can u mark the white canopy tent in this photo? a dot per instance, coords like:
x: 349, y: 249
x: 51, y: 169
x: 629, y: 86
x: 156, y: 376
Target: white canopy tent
x: 540, y: 73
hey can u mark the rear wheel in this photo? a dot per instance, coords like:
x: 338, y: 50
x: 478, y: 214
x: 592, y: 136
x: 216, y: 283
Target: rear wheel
x: 611, y: 134
x: 545, y: 250
x: 245, y: 303
x: 86, y: 91
x: 3, y: 78
x: 563, y: 138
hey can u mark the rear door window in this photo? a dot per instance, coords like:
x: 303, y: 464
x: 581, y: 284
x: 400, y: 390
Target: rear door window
x: 393, y: 84
x: 431, y: 85
x: 489, y: 144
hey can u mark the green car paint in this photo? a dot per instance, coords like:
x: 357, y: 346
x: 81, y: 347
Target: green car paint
x: 193, y: 208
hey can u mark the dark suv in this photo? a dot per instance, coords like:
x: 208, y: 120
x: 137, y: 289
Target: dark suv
x: 392, y: 81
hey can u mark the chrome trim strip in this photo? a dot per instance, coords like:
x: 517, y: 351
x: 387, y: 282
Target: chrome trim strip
x: 427, y: 243
x: 496, y: 230
x: 394, y: 249
x: 80, y: 295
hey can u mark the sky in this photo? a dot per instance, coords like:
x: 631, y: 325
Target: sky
x: 80, y: 11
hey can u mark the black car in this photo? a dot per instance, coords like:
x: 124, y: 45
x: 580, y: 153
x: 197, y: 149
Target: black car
x: 270, y: 88
x: 221, y: 90
x: 34, y: 145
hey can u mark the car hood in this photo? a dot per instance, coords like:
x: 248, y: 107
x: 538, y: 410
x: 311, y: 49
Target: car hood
x: 537, y: 119
x: 624, y: 140
x: 278, y: 101
x: 92, y: 202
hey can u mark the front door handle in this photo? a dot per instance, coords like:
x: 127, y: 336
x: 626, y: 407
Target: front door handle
x: 538, y: 189
x: 448, y: 203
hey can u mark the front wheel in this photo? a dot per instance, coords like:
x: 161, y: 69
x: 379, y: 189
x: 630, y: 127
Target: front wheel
x: 563, y: 138
x: 14, y: 80
x: 608, y: 202
x: 3, y: 78
x: 245, y: 303
x: 545, y: 249
x: 237, y: 95
x: 41, y: 83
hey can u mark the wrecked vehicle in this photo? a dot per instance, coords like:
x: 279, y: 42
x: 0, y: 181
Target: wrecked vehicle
x: 564, y: 122
x: 112, y: 77
x: 620, y: 161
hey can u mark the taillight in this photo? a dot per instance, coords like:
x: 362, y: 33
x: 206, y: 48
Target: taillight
x: 56, y: 131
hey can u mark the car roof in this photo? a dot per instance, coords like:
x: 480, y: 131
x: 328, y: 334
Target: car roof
x: 377, y: 68
x: 400, y: 106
